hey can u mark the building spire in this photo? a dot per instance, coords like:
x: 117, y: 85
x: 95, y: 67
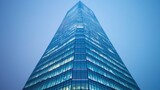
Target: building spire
x: 80, y: 4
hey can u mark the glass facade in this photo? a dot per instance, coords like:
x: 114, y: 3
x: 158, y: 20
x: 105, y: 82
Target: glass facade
x: 80, y: 57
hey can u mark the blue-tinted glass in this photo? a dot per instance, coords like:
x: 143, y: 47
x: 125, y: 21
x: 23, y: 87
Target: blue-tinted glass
x: 80, y: 57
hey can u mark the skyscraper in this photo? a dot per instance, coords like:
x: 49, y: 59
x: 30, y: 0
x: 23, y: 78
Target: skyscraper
x: 80, y: 57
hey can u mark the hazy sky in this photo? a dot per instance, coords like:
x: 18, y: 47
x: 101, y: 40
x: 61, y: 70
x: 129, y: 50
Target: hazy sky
x: 27, y: 27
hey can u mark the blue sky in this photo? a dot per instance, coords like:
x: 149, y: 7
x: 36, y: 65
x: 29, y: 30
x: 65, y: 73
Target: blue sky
x: 27, y: 27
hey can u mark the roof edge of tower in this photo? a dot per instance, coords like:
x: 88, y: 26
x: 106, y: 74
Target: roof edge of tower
x: 79, y: 5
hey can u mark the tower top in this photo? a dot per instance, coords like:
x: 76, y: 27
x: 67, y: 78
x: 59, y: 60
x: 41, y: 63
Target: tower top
x: 80, y: 4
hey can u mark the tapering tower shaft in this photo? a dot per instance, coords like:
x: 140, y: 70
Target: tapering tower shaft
x: 80, y: 57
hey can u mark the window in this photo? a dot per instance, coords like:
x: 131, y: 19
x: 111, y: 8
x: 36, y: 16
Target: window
x: 79, y: 74
x: 80, y: 64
